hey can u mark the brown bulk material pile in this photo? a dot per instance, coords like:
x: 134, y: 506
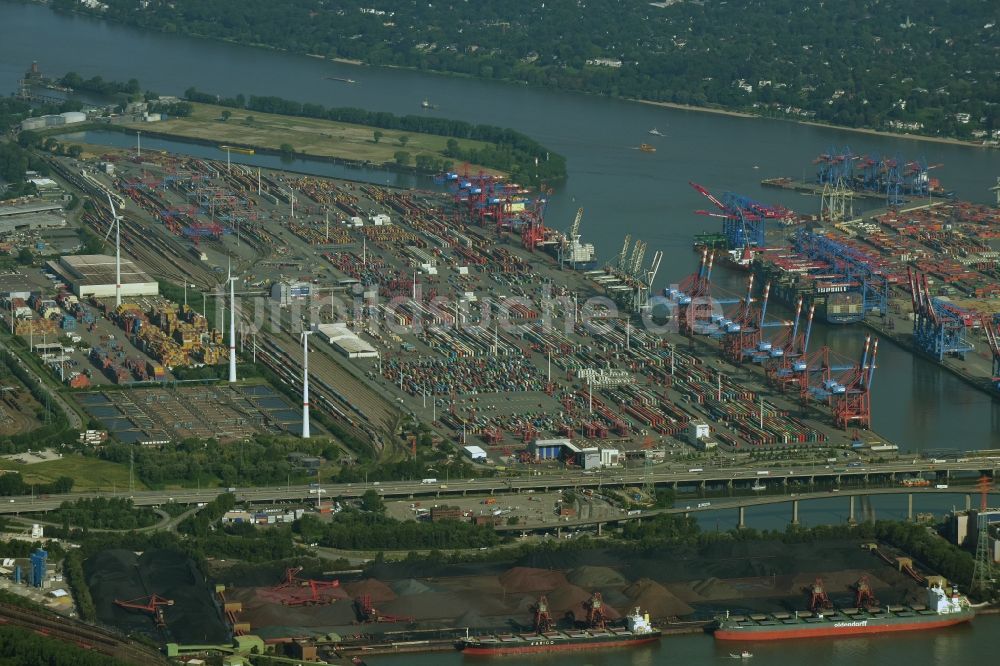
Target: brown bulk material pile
x: 376, y: 589
x: 591, y: 577
x: 712, y: 589
x: 527, y: 579
x: 655, y: 599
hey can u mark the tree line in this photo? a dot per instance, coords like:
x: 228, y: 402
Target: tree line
x: 354, y: 530
x: 849, y: 63
x: 108, y: 513
x: 509, y: 151
x: 23, y: 647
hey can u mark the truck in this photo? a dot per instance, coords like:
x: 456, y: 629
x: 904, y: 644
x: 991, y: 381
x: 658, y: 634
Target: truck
x: 428, y: 482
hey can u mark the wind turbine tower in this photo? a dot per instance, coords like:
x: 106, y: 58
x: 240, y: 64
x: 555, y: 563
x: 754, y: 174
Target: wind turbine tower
x: 232, y: 328
x: 305, y: 384
x: 116, y: 219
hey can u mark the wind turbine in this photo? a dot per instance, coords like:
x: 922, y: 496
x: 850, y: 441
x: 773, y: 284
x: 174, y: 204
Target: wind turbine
x: 118, y: 250
x: 232, y: 323
x: 305, y: 383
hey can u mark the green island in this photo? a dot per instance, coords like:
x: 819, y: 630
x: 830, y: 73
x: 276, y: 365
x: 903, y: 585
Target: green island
x: 784, y: 59
x: 272, y: 124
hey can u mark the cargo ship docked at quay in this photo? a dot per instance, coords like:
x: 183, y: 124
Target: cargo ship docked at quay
x: 838, y: 299
x: 598, y: 634
x: 943, y: 609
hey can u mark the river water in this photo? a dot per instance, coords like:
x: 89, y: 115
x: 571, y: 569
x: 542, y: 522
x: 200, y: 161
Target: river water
x: 622, y: 190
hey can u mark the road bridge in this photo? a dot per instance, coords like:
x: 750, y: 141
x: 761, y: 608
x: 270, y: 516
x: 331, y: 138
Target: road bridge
x: 728, y: 476
x: 740, y: 504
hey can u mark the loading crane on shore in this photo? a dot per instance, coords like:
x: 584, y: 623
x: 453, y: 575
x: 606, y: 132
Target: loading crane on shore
x: 596, y: 616
x: 792, y: 367
x: 864, y: 596
x: 853, y: 406
x: 939, y: 327
x: 851, y: 263
x: 152, y: 605
x: 991, y: 326
x: 543, y: 620
x: 818, y: 599
x: 743, y: 221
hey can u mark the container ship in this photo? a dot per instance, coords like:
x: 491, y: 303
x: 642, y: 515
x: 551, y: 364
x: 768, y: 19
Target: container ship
x: 545, y: 638
x: 943, y: 609
x: 838, y: 299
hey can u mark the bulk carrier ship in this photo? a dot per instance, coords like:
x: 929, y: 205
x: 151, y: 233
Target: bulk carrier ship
x: 942, y: 610
x: 545, y: 638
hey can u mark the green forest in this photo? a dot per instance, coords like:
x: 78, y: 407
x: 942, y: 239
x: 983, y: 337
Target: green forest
x: 858, y: 63
x: 22, y: 647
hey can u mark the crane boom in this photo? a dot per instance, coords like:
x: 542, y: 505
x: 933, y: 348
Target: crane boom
x: 708, y: 195
x: 574, y: 230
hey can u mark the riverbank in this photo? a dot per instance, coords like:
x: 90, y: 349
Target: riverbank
x: 812, y: 123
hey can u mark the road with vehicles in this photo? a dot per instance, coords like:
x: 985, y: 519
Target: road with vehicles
x: 734, y: 476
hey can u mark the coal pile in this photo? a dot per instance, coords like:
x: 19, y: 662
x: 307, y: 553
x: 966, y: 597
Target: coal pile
x: 194, y: 617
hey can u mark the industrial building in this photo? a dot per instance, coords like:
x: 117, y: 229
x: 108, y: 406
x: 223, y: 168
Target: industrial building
x: 288, y: 292
x: 94, y: 275
x: 475, y: 453
x: 42, y: 122
x: 346, y: 341
x: 31, y: 216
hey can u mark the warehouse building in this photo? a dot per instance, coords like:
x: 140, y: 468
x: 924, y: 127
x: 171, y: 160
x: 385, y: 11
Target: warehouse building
x: 475, y: 453
x: 30, y: 216
x: 346, y: 341
x: 94, y: 275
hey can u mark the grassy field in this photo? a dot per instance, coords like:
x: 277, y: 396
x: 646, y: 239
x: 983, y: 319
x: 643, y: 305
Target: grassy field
x: 87, y: 473
x: 308, y: 136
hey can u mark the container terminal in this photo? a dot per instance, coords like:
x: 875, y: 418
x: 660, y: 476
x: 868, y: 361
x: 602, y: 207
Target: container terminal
x: 500, y: 387
x: 733, y: 379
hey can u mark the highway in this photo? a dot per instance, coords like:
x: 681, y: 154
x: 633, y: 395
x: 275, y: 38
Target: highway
x: 832, y: 474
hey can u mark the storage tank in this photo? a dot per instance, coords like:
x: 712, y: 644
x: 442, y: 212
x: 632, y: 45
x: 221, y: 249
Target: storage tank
x: 70, y: 117
x: 32, y: 123
x: 53, y: 121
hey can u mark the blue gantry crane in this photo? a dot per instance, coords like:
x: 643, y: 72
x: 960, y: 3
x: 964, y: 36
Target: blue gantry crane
x: 743, y: 221
x: 939, y: 327
x: 850, y: 262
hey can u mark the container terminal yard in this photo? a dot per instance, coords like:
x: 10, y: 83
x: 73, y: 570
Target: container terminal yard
x: 509, y: 348
x: 463, y: 307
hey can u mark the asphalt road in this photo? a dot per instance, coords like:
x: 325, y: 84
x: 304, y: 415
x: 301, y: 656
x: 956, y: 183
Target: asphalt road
x: 613, y: 478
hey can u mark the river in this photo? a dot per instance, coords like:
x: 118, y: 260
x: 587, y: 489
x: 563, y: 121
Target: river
x: 622, y: 190
x: 915, y: 403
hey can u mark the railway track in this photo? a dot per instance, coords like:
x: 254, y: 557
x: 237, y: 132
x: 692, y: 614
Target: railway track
x: 78, y: 633
x: 362, y: 415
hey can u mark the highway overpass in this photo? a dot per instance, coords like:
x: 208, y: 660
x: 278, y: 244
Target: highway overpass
x: 832, y: 475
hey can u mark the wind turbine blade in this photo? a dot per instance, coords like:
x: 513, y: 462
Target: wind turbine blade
x: 114, y: 218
